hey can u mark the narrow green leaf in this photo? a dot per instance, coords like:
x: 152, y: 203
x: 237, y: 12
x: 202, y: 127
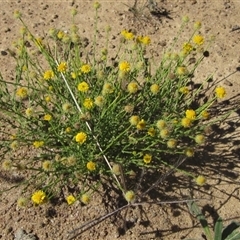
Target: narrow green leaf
x: 235, y: 235
x: 218, y: 229
x: 195, y: 210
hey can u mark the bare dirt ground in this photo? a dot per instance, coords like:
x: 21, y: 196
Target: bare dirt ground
x: 221, y: 164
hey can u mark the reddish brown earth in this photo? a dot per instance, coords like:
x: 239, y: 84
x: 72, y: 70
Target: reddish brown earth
x: 220, y: 18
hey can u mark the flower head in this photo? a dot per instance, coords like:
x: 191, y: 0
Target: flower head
x: 83, y: 87
x: 151, y: 132
x: 38, y: 144
x: 198, y: 39
x: 70, y: 199
x: 187, y: 48
x: 200, y: 180
x: 171, y: 143
x: 116, y: 169
x: 29, y: 112
x: 107, y: 88
x: 197, y: 25
x: 85, y: 198
x: 161, y: 124
x: 91, y: 166
x: 134, y: 120
x: 49, y: 74
x: 47, y: 117
x: 220, y: 92
x: 14, y: 145
x: 127, y: 35
x: 124, y: 66
x: 39, y: 197
x: 186, y: 122
x: 22, y: 93
x: 17, y: 14
x: 67, y: 107
x: 81, y: 137
x: 99, y: 101
x: 132, y: 87
x: 189, y: 152
x: 60, y: 34
x: 146, y: 40
x: 47, y: 165
x: 129, y: 108
x: 85, y: 68
x: 182, y: 71
x: 62, y: 67
x: 205, y: 114
x: 184, y: 90
x: 22, y: 202
x: 129, y: 196
x: 190, y: 114
x: 147, y: 158
x: 164, y: 133
x: 141, y: 124
x: 185, y: 19
x: 88, y: 103
x: 7, y: 165
x: 154, y: 89
x: 96, y: 5
x: 199, y: 138
x: 48, y: 98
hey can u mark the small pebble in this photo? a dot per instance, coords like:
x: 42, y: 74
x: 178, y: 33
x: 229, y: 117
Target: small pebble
x: 3, y: 53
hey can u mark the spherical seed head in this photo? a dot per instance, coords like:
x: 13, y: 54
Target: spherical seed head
x: 47, y: 165
x: 22, y: 202
x: 172, y: 143
x: 134, y: 120
x: 164, y: 133
x: 85, y: 198
x: 161, y: 124
x: 185, y: 19
x: 99, y: 101
x: 116, y: 169
x: 132, y: 87
x: 189, y: 152
x: 147, y: 158
x: 130, y: 196
x: 200, y: 139
x: 67, y: 107
x: 201, y: 180
x: 7, y: 165
x: 129, y: 108
x: 186, y: 122
x: 197, y: 25
x: 154, y: 89
x: 73, y: 11
x: 96, y: 5
x: 182, y: 71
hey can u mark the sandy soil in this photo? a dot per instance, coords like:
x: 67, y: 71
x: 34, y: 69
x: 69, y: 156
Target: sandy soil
x: 169, y: 221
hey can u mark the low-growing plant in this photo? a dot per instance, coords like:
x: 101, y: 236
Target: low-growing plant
x: 74, y: 117
x: 231, y: 232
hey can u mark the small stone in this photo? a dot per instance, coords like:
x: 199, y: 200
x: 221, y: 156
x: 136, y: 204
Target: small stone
x: 3, y: 53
